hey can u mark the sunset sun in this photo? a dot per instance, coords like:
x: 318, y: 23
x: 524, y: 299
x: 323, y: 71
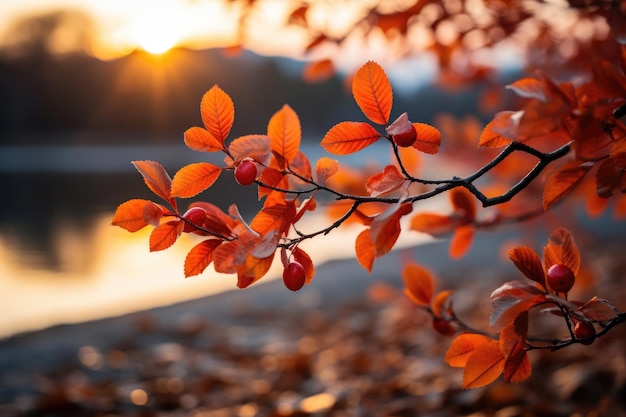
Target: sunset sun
x: 157, y: 36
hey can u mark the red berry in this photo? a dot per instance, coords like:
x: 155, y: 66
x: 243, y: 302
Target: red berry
x: 195, y: 215
x: 294, y: 276
x: 584, y: 330
x: 246, y: 172
x: 443, y: 326
x: 560, y: 278
x: 407, y: 138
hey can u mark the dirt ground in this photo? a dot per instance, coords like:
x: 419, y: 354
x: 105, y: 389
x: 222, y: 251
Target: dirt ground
x: 348, y: 345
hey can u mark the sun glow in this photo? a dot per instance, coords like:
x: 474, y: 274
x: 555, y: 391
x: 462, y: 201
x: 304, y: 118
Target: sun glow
x: 157, y: 35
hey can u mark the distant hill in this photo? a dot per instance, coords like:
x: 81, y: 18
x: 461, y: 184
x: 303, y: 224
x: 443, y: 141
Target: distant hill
x: 43, y: 97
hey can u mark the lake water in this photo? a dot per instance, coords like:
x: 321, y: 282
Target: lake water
x: 62, y: 262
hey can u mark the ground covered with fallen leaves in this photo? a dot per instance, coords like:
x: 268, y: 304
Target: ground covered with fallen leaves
x: 371, y: 354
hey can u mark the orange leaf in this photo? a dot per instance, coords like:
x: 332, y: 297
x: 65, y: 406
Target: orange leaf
x: 218, y: 113
x: 384, y: 182
x: 301, y: 166
x: 385, y: 229
x: 597, y: 309
x: 192, y: 179
x: 464, y: 203
x: 419, y: 284
x: 492, y: 135
x: 529, y: 88
x: 484, y: 365
x: 428, y: 138
x: 365, y: 250
x: 273, y: 179
x: 199, y: 139
x: 517, y: 367
x: 200, y: 256
x: 216, y: 220
x: 431, y: 223
x: 318, y: 71
x: 611, y: 175
x: 275, y: 217
x: 441, y: 303
x: 252, y: 270
x: 256, y: 147
x: 156, y: 178
x: 326, y: 168
x: 284, y: 132
x: 462, y: 347
x: 461, y: 240
x: 372, y: 92
x: 562, y: 181
x: 229, y: 255
x: 304, y: 259
x: 134, y: 215
x: 348, y: 137
x: 562, y: 249
x: 528, y: 262
x: 164, y: 236
x: 511, y: 299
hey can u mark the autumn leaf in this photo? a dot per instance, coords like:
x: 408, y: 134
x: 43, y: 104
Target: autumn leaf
x: 200, y: 139
x: 419, y: 284
x: 597, y: 309
x: 372, y: 92
x: 284, y: 133
x: 256, y: 147
x: 462, y: 347
x: 385, y: 229
x: 305, y: 260
x: 218, y: 113
x: 562, y: 181
x: 272, y: 179
x: 461, y: 241
x: 442, y: 303
x: 611, y: 175
x: 134, y: 215
x: 253, y: 269
x: 200, y: 257
x: 164, y: 236
x: 498, y: 131
x: 463, y: 202
x: 511, y: 299
x: 216, y: 220
x: 517, y: 367
x: 484, y: 365
x: 428, y: 138
x: 156, y: 178
x: 192, y: 179
x: 528, y: 262
x: 325, y: 168
x: 318, y: 71
x: 431, y: 223
x: 349, y: 137
x: 529, y: 88
x: 384, y: 182
x: 562, y: 249
x: 364, y: 248
x: 276, y: 217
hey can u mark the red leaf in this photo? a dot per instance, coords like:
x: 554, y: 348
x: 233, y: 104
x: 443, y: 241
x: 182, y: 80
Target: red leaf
x: 348, y: 137
x: 156, y: 178
x: 385, y: 228
x: 318, y: 71
x: 484, y: 365
x: 273, y: 179
x: 325, y: 168
x: 164, y: 236
x: 200, y: 139
x: 431, y: 223
x: 562, y: 181
x: 511, y: 299
x: 462, y: 347
x: 517, y: 367
x: 442, y: 303
x: 597, y: 309
x: 252, y: 270
x: 192, y: 179
x: 372, y: 92
x: 365, y: 250
x: 461, y: 241
x: 419, y: 284
x: 134, y: 215
x: 497, y: 133
x: 528, y: 262
x: 384, y: 182
x: 562, y: 249
x: 529, y: 88
x: 464, y: 203
x: 218, y: 113
x: 304, y: 259
x: 284, y: 132
x: 275, y: 217
x: 200, y: 256
x: 611, y: 175
x: 216, y: 220
x: 428, y: 138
